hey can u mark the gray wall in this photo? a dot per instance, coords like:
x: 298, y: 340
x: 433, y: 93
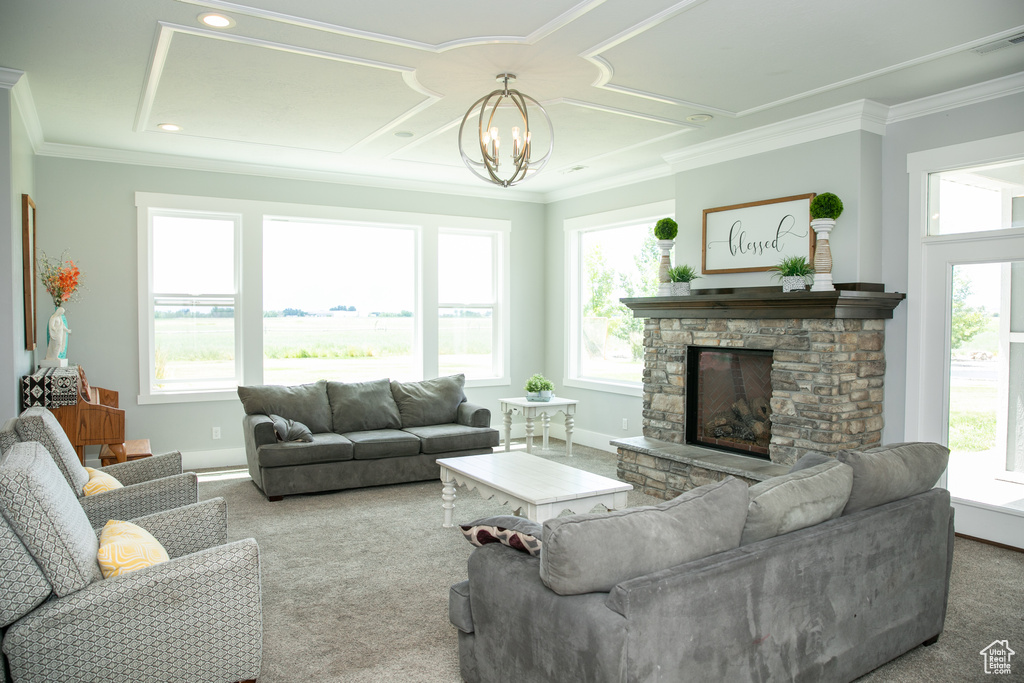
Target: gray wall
x: 964, y: 124
x: 90, y: 210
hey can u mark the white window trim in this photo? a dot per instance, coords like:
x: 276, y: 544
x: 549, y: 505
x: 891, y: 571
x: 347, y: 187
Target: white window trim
x: 573, y: 227
x: 249, y: 271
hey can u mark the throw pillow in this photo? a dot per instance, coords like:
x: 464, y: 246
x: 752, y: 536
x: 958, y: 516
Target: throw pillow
x: 515, y: 532
x: 99, y: 482
x: 291, y: 430
x: 127, y: 547
x: 797, y: 500
x: 306, y: 403
x: 882, y: 475
x: 430, y: 402
x: 594, y: 552
x: 363, y: 406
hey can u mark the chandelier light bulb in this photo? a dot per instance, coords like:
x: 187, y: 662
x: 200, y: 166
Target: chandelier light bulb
x: 508, y: 101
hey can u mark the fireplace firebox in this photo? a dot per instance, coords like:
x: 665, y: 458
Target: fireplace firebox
x: 728, y: 393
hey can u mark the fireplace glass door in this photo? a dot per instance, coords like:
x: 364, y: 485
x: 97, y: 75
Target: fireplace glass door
x: 727, y: 399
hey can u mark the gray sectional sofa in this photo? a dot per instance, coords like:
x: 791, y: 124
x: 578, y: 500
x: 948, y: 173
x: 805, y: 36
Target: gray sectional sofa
x: 335, y: 435
x: 822, y: 574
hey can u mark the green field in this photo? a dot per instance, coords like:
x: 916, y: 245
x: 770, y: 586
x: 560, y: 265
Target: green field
x: 972, y: 418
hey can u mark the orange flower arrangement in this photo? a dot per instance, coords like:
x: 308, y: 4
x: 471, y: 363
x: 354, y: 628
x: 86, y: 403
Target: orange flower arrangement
x: 61, y: 278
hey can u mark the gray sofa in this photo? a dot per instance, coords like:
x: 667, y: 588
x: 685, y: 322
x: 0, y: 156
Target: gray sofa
x: 820, y: 575
x: 335, y: 435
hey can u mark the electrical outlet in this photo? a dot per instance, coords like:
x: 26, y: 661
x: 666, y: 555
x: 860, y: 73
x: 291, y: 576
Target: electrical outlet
x: 216, y: 432
x: 625, y: 423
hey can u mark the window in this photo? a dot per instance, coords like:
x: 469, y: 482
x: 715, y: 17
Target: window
x: 338, y: 301
x: 238, y: 292
x: 468, y: 265
x: 976, y: 199
x: 612, y: 256
x: 192, y: 304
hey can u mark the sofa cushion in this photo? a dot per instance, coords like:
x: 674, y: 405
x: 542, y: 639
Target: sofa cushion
x: 363, y: 406
x: 430, y: 402
x: 39, y: 424
x: 45, y: 513
x: 518, y: 533
x: 24, y: 586
x: 291, y: 430
x: 127, y: 547
x: 882, y: 475
x: 594, y: 552
x: 810, y: 459
x: 306, y: 403
x: 383, y: 443
x: 447, y: 438
x: 8, y: 437
x: 325, y: 447
x: 797, y: 500
x: 460, y: 613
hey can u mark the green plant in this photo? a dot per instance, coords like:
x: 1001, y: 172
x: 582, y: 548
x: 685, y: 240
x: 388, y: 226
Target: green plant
x: 682, y: 274
x: 666, y: 229
x: 826, y: 205
x: 539, y: 383
x: 793, y: 266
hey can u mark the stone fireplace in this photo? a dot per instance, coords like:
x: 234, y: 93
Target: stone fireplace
x: 827, y: 367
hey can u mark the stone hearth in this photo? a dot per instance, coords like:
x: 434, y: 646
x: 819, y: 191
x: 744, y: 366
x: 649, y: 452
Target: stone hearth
x: 827, y: 378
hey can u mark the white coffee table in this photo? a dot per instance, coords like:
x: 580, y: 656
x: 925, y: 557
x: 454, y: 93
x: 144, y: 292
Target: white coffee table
x: 531, y: 409
x: 539, y: 489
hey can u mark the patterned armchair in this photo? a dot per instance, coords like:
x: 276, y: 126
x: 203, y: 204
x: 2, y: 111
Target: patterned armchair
x: 196, y: 618
x: 150, y: 484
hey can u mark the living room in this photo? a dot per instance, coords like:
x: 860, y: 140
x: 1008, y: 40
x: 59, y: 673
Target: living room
x: 81, y: 138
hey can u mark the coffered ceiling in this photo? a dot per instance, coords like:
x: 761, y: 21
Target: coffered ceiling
x: 320, y: 88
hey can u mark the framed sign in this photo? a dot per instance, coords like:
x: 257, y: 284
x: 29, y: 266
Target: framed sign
x: 744, y: 238
x: 28, y: 260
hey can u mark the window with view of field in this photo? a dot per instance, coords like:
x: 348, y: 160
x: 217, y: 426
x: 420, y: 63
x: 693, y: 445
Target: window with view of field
x: 467, y: 292
x: 338, y: 302
x: 610, y: 263
x: 194, y: 303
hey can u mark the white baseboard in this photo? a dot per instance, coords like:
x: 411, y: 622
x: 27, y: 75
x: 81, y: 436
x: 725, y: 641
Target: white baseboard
x: 583, y: 437
x: 224, y: 457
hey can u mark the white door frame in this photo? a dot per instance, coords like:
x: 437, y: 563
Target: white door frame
x: 929, y: 287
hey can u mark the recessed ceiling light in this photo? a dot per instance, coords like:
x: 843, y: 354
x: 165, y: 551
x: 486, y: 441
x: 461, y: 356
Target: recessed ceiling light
x: 169, y: 127
x: 404, y: 134
x: 699, y: 118
x: 214, y: 20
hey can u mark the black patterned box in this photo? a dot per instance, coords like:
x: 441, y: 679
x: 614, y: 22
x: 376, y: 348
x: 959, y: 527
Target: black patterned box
x: 50, y: 387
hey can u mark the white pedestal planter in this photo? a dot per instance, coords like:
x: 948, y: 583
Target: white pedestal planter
x: 822, y: 255
x: 664, y: 283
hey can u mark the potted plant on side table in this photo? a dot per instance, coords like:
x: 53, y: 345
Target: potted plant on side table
x: 539, y: 388
x: 794, y: 271
x: 825, y: 209
x: 681, y: 277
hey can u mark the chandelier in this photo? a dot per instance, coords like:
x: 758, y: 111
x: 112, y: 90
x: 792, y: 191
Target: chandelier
x: 488, y: 165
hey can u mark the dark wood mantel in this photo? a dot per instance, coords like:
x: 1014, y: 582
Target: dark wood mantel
x: 853, y: 301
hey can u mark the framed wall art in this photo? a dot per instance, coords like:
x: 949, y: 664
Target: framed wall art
x: 28, y: 260
x: 745, y: 238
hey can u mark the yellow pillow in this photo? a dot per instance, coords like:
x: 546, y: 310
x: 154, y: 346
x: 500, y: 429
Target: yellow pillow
x: 99, y: 482
x: 125, y: 547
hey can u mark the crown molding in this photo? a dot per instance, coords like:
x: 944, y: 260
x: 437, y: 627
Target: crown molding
x: 21, y: 95
x: 866, y: 115
x: 961, y: 97
x: 242, y: 168
x: 9, y: 77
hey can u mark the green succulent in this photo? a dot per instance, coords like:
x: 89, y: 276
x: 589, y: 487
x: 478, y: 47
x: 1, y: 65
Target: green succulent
x: 682, y: 274
x: 666, y: 229
x: 826, y: 205
x: 539, y: 383
x: 793, y: 266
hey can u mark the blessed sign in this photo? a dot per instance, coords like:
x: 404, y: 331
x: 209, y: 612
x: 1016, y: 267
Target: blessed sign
x: 750, y: 237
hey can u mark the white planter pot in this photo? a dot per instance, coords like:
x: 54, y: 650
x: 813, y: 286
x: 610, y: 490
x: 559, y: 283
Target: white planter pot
x: 794, y: 283
x: 539, y: 396
x: 680, y: 289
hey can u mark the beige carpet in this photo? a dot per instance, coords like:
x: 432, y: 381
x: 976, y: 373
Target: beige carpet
x: 355, y: 584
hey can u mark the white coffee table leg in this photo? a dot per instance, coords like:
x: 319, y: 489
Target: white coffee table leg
x: 529, y: 433
x: 545, y: 421
x: 569, y: 422
x: 508, y: 430
x: 447, y: 496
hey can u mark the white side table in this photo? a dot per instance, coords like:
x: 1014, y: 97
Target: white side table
x: 530, y: 410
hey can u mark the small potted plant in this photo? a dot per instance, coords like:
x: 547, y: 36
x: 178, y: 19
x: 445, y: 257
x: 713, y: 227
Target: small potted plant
x: 681, y: 277
x: 665, y: 230
x: 539, y: 388
x: 794, y: 272
x: 825, y: 209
